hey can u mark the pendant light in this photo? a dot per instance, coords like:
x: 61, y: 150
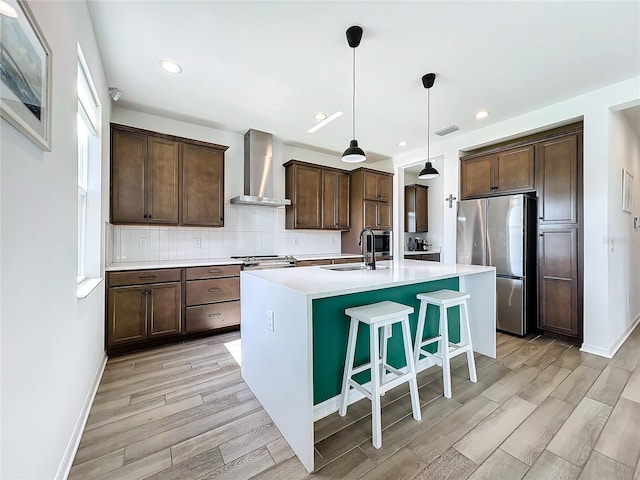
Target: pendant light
x: 354, y: 154
x: 428, y: 172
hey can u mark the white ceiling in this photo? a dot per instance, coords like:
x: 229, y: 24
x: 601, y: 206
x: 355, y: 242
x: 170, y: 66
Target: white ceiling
x: 272, y: 65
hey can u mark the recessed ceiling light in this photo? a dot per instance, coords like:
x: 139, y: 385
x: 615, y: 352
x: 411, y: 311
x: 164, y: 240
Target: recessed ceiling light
x: 7, y: 10
x: 171, y: 67
x: 324, y: 122
x: 482, y: 114
x: 320, y: 116
x: 402, y: 143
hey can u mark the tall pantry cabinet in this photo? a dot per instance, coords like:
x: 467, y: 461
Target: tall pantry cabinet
x: 549, y: 166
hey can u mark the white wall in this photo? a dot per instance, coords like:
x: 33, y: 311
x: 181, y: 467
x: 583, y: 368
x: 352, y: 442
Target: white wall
x: 594, y: 109
x: 623, y: 240
x: 52, y: 344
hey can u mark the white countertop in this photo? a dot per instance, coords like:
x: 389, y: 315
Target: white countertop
x: 322, y: 256
x: 319, y: 282
x: 201, y: 262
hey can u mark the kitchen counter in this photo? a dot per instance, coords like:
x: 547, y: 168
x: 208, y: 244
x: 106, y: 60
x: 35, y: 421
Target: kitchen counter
x: 324, y: 256
x: 200, y: 262
x: 294, y: 331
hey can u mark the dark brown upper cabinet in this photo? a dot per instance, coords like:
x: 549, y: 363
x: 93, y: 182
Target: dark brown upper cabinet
x: 558, y: 179
x: 319, y: 196
x: 162, y: 179
x: 416, y: 208
x: 202, y: 186
x: 335, y: 200
x: 508, y: 171
x: 303, y: 185
x: 144, y: 179
x: 377, y: 186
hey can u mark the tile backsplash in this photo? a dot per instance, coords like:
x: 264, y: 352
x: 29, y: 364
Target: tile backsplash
x: 247, y: 231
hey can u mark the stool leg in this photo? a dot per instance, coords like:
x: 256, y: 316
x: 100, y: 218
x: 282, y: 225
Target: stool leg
x: 385, y: 338
x: 443, y: 345
x: 348, y: 366
x: 467, y: 334
x: 419, y: 332
x: 376, y: 414
x: 411, y: 368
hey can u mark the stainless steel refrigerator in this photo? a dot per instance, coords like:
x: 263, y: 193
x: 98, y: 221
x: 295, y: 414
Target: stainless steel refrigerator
x: 500, y: 232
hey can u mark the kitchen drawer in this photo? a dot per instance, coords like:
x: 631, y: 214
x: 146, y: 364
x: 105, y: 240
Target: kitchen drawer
x: 141, y: 277
x: 215, y: 271
x: 216, y: 290
x: 207, y: 317
x: 311, y: 263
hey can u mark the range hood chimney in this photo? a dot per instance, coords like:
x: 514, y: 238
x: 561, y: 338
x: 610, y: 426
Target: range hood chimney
x: 258, y: 172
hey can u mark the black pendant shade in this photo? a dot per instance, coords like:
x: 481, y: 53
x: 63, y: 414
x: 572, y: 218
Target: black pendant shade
x: 354, y: 154
x: 428, y: 172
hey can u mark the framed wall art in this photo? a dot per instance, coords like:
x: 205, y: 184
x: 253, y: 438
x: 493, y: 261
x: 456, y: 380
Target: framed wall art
x: 25, y: 73
x: 627, y: 191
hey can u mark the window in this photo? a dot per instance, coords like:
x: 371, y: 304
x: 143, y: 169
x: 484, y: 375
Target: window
x: 89, y: 174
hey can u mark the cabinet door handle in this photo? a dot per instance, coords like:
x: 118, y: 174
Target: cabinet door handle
x: 540, y: 218
x: 217, y: 270
x: 145, y: 215
x: 149, y: 216
x: 142, y: 277
x: 214, y: 315
x: 211, y: 290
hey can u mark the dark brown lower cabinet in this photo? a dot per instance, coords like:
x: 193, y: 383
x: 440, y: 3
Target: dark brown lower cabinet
x: 138, y: 313
x: 212, y: 298
x: 429, y: 257
x: 149, y: 307
x: 558, y: 282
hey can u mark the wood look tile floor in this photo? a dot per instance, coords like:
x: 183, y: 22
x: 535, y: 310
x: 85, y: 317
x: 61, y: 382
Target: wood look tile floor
x: 541, y: 410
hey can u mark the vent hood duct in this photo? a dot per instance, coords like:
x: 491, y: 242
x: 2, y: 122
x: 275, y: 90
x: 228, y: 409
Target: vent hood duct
x: 258, y: 172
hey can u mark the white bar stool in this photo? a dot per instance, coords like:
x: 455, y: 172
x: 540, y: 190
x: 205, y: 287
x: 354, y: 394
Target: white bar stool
x: 383, y: 376
x: 444, y: 299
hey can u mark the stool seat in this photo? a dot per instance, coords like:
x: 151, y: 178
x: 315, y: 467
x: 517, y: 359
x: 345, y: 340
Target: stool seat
x: 381, y: 312
x: 383, y: 376
x: 444, y: 299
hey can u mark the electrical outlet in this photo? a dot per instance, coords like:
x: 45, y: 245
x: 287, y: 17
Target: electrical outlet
x: 295, y: 241
x: 271, y: 317
x: 197, y: 242
x: 333, y: 240
x: 142, y: 242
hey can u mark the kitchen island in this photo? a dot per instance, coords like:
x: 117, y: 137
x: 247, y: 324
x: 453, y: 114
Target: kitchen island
x: 294, y: 331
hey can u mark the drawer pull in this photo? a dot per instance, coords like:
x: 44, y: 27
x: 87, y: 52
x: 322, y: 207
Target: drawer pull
x: 217, y: 270
x: 211, y: 290
x: 214, y: 315
x: 141, y: 277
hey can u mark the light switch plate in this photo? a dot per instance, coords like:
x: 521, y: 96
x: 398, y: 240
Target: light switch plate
x: 636, y: 222
x: 142, y: 242
x: 197, y: 242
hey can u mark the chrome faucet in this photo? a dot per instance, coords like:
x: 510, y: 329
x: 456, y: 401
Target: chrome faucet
x: 370, y: 265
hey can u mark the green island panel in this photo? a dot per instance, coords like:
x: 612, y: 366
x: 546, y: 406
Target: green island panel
x: 331, y: 331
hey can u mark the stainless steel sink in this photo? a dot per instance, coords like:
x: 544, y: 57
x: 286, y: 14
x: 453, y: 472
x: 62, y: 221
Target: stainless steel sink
x: 352, y: 266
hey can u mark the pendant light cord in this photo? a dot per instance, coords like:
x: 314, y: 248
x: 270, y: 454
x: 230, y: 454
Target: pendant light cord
x: 353, y: 99
x: 428, y: 122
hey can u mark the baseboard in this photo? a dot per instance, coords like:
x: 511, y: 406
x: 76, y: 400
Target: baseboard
x: 74, y: 441
x: 603, y: 352
x: 595, y: 350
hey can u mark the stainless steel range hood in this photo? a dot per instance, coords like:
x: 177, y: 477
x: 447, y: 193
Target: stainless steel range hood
x: 258, y: 172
